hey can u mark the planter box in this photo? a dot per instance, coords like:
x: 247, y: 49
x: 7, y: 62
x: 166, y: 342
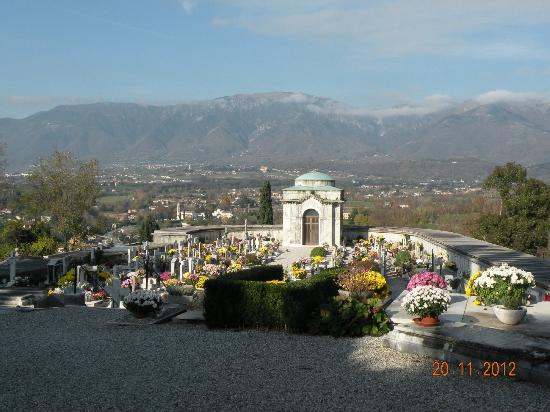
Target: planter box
x: 179, y: 300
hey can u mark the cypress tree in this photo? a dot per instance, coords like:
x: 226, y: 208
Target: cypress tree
x: 265, y: 214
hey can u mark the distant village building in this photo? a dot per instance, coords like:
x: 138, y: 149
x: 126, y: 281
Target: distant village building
x: 222, y: 214
x: 312, y: 211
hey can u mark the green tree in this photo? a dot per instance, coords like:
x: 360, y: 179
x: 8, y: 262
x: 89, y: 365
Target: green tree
x: 352, y: 215
x: 146, y: 226
x: 522, y: 222
x: 361, y: 220
x: 43, y: 246
x: 265, y: 214
x: 65, y: 189
x: 14, y: 233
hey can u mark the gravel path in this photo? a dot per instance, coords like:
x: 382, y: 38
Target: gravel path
x: 71, y: 359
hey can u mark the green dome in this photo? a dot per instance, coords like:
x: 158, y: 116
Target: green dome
x: 315, y: 176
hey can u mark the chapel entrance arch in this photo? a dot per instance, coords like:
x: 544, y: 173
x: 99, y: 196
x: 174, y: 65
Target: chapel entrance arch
x: 310, y: 228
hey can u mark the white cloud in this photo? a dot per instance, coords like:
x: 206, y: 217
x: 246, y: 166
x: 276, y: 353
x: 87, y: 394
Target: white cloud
x: 496, y: 96
x: 187, y: 5
x: 430, y: 104
x: 401, y: 27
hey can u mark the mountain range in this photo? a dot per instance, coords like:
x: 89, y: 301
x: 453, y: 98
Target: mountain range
x: 282, y: 126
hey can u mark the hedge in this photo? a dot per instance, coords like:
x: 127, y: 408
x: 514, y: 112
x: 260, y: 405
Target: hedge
x: 232, y: 303
x: 258, y: 273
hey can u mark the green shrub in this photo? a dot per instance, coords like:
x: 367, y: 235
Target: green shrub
x: 318, y: 251
x: 350, y: 317
x: 180, y: 290
x: 404, y: 261
x: 292, y: 306
x: 258, y: 273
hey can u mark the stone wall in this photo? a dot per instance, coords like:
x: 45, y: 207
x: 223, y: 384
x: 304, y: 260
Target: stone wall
x: 210, y: 233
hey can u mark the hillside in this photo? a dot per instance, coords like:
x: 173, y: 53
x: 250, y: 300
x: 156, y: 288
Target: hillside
x: 279, y: 127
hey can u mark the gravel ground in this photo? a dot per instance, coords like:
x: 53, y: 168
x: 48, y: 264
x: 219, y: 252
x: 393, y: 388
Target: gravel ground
x: 71, y: 359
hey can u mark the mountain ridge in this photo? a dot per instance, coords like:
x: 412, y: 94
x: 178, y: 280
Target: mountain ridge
x: 281, y: 126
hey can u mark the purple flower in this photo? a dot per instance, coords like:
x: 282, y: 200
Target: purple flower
x: 427, y: 279
x: 165, y: 275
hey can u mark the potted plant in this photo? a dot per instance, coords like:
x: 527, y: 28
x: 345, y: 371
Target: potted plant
x: 505, y: 287
x: 179, y: 293
x: 426, y: 303
x: 451, y: 265
x: 142, y: 303
x: 510, y: 311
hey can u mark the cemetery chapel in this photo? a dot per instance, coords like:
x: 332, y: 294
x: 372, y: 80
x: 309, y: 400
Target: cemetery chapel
x: 312, y: 211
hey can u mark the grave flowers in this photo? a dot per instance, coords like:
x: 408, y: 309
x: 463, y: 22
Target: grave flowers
x: 362, y: 284
x: 504, y: 287
x: 425, y: 279
x: 142, y: 303
x: 426, y: 303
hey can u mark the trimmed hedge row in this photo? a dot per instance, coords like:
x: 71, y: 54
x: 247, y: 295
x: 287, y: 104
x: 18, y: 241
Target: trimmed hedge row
x: 258, y: 273
x: 232, y: 303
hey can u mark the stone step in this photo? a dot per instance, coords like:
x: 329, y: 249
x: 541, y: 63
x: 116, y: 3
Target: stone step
x: 190, y: 317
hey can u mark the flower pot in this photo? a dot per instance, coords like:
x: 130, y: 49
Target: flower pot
x: 179, y: 300
x: 509, y: 316
x: 427, y: 321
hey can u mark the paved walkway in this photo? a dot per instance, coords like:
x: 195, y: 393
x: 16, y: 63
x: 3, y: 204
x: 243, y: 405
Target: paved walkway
x: 291, y: 254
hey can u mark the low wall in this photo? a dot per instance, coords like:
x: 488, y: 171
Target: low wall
x: 469, y: 254
x: 210, y: 233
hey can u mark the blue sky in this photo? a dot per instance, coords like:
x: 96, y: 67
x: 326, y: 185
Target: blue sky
x: 369, y: 54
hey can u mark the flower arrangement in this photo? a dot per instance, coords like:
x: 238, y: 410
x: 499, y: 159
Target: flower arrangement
x: 234, y: 267
x: 171, y: 282
x: 104, y: 275
x: 427, y: 279
x: 172, y: 252
x: 264, y: 250
x: 221, y: 251
x: 470, y: 289
x: 275, y: 282
x: 318, y: 260
x: 426, y: 301
x: 126, y: 283
x: 191, y: 278
x: 56, y: 291
x: 201, y: 281
x: 142, y: 302
x: 208, y: 258
x: 211, y: 270
x: 363, y: 283
x: 100, y: 295
x: 298, y: 272
x: 66, y: 280
x: 164, y: 276
x: 502, y: 282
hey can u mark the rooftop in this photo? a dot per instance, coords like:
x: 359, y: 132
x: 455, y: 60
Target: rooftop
x: 314, y: 175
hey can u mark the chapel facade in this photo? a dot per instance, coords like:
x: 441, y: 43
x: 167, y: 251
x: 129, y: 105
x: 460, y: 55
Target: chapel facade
x: 312, y: 211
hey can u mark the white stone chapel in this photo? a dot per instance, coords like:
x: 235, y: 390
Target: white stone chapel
x: 312, y: 211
